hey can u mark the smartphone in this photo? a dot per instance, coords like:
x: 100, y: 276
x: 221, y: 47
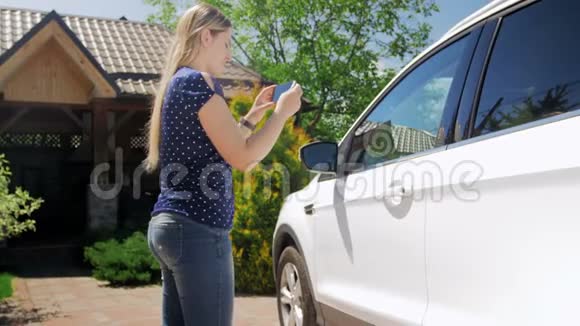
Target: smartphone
x: 280, y: 89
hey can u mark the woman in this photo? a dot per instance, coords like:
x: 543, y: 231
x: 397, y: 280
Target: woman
x: 195, y: 141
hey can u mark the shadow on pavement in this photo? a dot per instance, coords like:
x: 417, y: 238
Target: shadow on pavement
x: 13, y: 314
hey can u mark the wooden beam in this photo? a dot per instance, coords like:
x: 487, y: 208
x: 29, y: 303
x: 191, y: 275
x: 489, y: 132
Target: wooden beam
x: 99, y: 133
x: 138, y: 104
x: 120, y: 104
x: 111, y: 138
x: 126, y: 117
x: 87, y: 125
x: 42, y: 105
x: 5, y: 126
x: 75, y: 119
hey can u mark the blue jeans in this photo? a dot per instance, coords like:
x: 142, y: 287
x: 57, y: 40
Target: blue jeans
x: 196, y: 268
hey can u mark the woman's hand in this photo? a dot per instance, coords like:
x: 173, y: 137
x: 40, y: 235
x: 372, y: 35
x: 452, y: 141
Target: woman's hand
x: 262, y: 103
x: 290, y: 101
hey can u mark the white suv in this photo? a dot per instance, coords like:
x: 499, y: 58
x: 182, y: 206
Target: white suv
x: 454, y: 199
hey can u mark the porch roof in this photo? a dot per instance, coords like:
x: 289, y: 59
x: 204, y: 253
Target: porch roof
x: 129, y: 53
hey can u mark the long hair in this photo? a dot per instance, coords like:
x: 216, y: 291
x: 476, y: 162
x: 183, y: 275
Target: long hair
x: 183, y: 50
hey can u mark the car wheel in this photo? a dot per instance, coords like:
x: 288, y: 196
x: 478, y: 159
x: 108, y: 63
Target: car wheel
x: 294, y: 296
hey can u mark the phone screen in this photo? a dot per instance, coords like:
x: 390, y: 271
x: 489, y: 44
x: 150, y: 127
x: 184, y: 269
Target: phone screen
x: 281, y: 89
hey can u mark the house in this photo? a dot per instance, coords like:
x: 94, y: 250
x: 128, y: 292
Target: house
x: 381, y: 141
x: 75, y: 95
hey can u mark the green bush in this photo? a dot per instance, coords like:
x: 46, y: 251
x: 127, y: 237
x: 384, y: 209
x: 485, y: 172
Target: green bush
x: 258, y: 205
x: 5, y: 285
x: 123, y: 262
x: 14, y: 205
x: 100, y: 235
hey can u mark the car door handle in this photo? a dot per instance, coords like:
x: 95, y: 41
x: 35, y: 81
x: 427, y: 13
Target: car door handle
x: 309, y: 209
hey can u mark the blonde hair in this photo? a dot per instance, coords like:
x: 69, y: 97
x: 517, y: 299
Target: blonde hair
x: 184, y: 48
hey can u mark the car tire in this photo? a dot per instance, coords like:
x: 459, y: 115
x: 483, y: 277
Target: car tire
x: 291, y: 270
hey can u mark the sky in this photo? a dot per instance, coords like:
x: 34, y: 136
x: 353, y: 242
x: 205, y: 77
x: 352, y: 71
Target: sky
x: 451, y: 11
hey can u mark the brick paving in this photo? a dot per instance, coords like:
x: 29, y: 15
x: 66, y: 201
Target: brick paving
x: 82, y: 300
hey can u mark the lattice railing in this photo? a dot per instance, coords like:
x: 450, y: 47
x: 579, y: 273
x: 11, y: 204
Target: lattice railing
x: 41, y: 140
x: 137, y: 142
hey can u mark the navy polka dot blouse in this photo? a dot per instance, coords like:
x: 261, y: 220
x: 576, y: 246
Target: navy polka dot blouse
x: 195, y: 180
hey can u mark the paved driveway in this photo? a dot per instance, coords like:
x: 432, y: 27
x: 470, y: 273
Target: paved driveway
x: 82, y: 300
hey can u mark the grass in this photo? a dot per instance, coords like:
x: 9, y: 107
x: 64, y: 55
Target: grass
x: 5, y: 285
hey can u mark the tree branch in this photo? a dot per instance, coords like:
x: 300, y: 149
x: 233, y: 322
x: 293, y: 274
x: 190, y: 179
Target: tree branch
x: 357, y: 35
x: 279, y: 41
x: 316, y: 119
x: 250, y: 60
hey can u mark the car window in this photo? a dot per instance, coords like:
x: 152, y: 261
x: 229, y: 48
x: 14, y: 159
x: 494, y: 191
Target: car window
x: 407, y: 119
x: 534, y: 70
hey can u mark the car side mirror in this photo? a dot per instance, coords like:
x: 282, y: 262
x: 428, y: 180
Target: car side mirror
x: 320, y: 156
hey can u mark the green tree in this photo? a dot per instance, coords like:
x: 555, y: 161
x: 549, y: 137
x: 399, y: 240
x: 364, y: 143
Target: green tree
x: 14, y: 205
x: 166, y: 14
x: 332, y: 47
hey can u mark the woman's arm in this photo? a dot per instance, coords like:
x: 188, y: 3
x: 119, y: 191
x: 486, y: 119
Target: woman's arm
x: 246, y: 132
x: 242, y: 152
